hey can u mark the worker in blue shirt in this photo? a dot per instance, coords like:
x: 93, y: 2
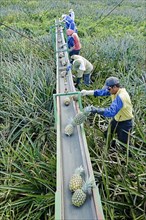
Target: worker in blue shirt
x: 120, y: 109
x: 69, y: 23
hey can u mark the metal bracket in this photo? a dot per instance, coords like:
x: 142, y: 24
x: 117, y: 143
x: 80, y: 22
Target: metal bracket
x: 64, y: 94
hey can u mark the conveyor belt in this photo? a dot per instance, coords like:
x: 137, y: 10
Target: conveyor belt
x: 72, y: 151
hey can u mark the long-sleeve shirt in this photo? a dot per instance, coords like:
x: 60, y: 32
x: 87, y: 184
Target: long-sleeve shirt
x: 74, y: 42
x: 70, y: 24
x: 81, y: 65
x: 121, y: 107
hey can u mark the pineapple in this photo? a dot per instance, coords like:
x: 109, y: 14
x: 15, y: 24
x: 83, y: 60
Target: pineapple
x: 63, y: 74
x: 75, y: 98
x: 69, y: 129
x: 79, y: 196
x: 80, y: 118
x: 67, y: 101
x: 59, y: 40
x: 63, y: 61
x: 61, y: 54
x: 76, y: 181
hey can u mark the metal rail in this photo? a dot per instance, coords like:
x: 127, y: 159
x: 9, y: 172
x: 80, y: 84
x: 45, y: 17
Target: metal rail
x: 72, y: 151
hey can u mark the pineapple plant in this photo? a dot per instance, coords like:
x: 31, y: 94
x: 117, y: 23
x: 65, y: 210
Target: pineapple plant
x: 76, y: 180
x: 69, y: 129
x: 67, y: 101
x: 80, y: 195
x: 80, y: 118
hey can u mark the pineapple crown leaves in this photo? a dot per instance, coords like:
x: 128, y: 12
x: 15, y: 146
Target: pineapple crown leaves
x: 80, y: 171
x: 88, y: 185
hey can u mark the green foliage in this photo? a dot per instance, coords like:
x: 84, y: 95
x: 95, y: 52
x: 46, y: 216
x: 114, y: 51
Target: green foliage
x: 115, y: 46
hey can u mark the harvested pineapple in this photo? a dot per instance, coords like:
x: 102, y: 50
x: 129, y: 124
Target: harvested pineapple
x: 76, y: 181
x: 80, y: 118
x: 67, y: 101
x: 69, y: 129
x: 75, y: 98
x: 79, y: 196
x: 61, y: 54
x: 63, y: 74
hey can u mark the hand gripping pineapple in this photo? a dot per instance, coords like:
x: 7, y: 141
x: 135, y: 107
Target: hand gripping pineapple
x: 80, y: 118
x: 79, y: 196
x: 76, y: 181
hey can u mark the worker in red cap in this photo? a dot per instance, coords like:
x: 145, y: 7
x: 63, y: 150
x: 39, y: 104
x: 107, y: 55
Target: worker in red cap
x: 73, y: 42
x: 120, y: 109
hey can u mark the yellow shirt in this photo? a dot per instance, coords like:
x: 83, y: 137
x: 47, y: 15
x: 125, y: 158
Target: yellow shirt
x: 126, y: 111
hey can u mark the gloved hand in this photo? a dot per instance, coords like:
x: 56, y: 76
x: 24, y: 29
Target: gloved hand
x: 68, y: 68
x: 92, y: 109
x: 87, y: 92
x: 88, y: 109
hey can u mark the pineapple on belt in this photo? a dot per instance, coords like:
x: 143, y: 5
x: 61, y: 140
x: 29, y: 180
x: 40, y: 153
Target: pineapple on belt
x: 76, y: 180
x: 80, y: 118
x: 69, y: 129
x: 77, y: 120
x: 79, y: 196
x: 67, y: 101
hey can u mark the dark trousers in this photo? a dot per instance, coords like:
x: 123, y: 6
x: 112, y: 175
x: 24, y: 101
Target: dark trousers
x: 122, y: 129
x: 74, y: 52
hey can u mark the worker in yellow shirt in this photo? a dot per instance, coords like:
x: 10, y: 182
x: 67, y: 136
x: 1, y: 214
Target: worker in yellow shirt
x: 120, y: 109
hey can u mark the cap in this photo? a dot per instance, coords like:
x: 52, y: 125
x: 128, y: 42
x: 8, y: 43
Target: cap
x: 76, y: 64
x: 71, y: 10
x: 111, y: 81
x: 69, y: 32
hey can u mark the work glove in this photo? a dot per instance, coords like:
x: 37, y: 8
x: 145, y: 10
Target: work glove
x: 87, y: 92
x: 88, y: 109
x: 92, y: 109
x: 68, y: 68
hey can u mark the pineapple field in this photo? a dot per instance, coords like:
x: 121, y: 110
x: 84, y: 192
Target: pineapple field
x: 112, y: 34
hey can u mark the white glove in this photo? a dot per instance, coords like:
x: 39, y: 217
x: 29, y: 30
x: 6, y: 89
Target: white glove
x: 88, y: 109
x: 87, y: 92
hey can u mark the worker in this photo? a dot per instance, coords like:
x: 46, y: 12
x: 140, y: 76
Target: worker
x: 120, y: 109
x: 83, y: 68
x: 72, y: 14
x: 69, y: 23
x: 73, y: 42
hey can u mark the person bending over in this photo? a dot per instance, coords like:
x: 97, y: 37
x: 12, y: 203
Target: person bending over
x: 120, y: 109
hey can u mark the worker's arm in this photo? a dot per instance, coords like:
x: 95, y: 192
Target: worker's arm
x: 98, y: 92
x: 110, y: 112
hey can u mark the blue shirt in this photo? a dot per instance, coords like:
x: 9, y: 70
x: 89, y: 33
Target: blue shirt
x: 70, y: 41
x: 70, y: 24
x: 114, y: 108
